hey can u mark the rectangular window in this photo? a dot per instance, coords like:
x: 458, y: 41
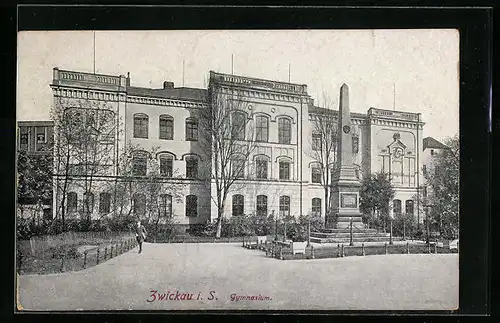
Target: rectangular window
x: 72, y: 202
x: 284, y: 170
x: 261, y: 171
x: 261, y: 205
x: 139, y: 201
x: 316, y: 206
x: 141, y: 126
x: 166, y: 128
x: 409, y: 207
x: 191, y: 206
x: 316, y: 141
x: 238, y: 168
x: 166, y: 166
x: 238, y: 205
x: 284, y: 206
x: 397, y: 207
x: 262, y: 129
x: 316, y: 175
x: 104, y: 203
x: 238, y: 126
x: 191, y: 130
x: 191, y: 167
x: 40, y: 135
x: 284, y: 131
x: 140, y: 163
x: 23, y: 139
x: 165, y: 205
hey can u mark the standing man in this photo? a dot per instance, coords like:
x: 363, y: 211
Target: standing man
x: 140, y: 234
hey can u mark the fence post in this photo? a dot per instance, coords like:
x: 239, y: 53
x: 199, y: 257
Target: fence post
x: 343, y: 252
x: 429, y: 247
x: 363, y: 249
x: 408, y: 248
x: 385, y: 247
x: 62, y: 263
x: 105, y: 253
x: 435, y: 248
x: 85, y: 259
x: 338, y: 249
x: 243, y: 241
x: 312, y: 251
x: 97, y: 257
x: 281, y: 252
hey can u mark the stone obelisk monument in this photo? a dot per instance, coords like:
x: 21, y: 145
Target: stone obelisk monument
x: 345, y: 183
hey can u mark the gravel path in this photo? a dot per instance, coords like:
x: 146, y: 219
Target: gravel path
x: 384, y: 282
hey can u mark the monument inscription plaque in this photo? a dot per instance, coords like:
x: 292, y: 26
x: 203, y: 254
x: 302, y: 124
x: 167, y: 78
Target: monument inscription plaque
x: 348, y: 200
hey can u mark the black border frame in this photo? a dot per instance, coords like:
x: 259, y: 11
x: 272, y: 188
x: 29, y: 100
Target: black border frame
x: 475, y: 25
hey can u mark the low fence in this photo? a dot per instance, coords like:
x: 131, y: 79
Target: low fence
x: 284, y: 251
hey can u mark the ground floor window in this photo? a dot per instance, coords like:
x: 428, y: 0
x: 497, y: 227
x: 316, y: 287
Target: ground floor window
x: 396, y: 207
x: 104, y: 203
x: 139, y: 201
x: 238, y: 205
x: 261, y: 205
x: 72, y: 202
x: 409, y: 207
x: 165, y: 205
x: 284, y: 205
x: 316, y: 206
x: 191, y: 205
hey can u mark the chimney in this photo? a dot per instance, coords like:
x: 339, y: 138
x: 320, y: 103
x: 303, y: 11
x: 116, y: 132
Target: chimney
x: 168, y: 85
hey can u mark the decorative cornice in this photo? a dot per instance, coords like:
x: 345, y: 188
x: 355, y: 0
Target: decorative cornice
x: 90, y: 94
x: 165, y: 102
x: 246, y: 92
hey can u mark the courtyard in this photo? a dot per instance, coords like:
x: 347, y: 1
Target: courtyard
x: 208, y: 276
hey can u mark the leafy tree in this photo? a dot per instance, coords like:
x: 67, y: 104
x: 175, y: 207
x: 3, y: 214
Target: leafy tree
x: 375, y: 194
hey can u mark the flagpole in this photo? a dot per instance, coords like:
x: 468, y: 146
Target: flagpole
x: 183, y: 62
x: 232, y: 64
x: 94, y: 51
x: 288, y: 72
x: 394, y: 97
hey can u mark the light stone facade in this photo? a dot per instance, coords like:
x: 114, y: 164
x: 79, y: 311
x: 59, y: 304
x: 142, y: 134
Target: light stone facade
x: 387, y: 140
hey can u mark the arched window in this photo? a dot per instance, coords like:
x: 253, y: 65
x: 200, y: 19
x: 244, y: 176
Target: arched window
x: 238, y: 167
x: 238, y: 205
x: 396, y: 207
x: 141, y: 122
x: 409, y: 207
x: 316, y: 141
x: 140, y: 163
x: 238, y: 125
x: 284, y: 205
x: 191, y: 167
x: 284, y: 131
x: 88, y: 202
x: 191, y: 206
x: 262, y: 128
x: 72, y: 202
x: 316, y: 174
x: 191, y: 129
x: 139, y: 207
x: 165, y: 205
x: 166, y: 127
x: 316, y: 206
x: 284, y: 166
x: 261, y: 205
x: 166, y: 165
x: 261, y: 163
x: 104, y: 203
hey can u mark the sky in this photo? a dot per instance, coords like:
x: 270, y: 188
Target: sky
x: 406, y: 70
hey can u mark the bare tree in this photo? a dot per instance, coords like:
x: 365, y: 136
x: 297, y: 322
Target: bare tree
x: 228, y: 136
x: 323, y: 143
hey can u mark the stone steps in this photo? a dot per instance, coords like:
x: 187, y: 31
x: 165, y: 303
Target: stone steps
x: 347, y: 230
x: 347, y: 235
x: 347, y: 240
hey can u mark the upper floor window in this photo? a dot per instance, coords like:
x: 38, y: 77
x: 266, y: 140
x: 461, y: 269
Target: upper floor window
x: 104, y: 203
x: 396, y: 207
x: 166, y: 127
x: 191, y: 167
x: 238, y: 124
x: 409, y: 207
x: 261, y: 205
x: 316, y: 175
x: 238, y: 205
x: 262, y: 129
x: 316, y: 206
x: 165, y: 205
x: 191, y: 206
x: 238, y: 168
x: 139, y: 163
x: 261, y: 163
x: 141, y: 122
x: 191, y: 129
x: 284, y: 205
x: 284, y: 169
x: 316, y: 141
x: 284, y: 131
x: 166, y: 165
x: 72, y: 202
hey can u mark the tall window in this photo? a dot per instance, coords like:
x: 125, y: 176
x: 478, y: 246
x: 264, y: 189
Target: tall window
x: 191, y: 167
x: 238, y: 126
x: 191, y: 129
x: 316, y: 141
x: 396, y: 207
x: 238, y: 168
x: 72, y: 202
x: 165, y: 205
x: 261, y: 167
x: 166, y: 127
x: 166, y: 165
x: 316, y: 175
x: 284, y: 169
x: 284, y: 130
x: 191, y: 205
x: 139, y: 207
x: 24, y: 139
x: 316, y: 206
x: 262, y: 129
x: 104, y: 203
x: 140, y: 163
x: 238, y: 205
x: 409, y: 207
x: 284, y: 205
x: 261, y: 205
x: 88, y: 202
x: 40, y: 135
x: 141, y: 125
